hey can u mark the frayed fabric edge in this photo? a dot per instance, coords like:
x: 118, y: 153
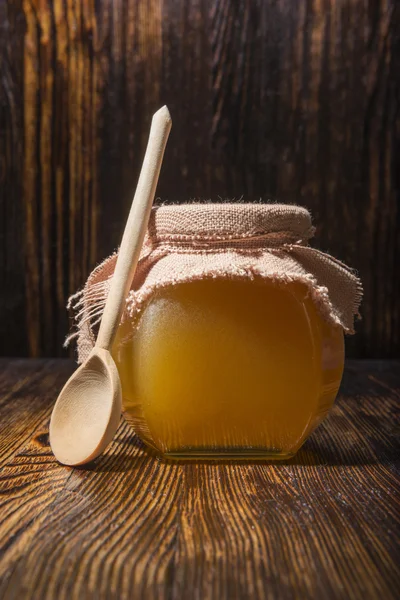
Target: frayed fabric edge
x: 89, y: 316
x: 137, y: 301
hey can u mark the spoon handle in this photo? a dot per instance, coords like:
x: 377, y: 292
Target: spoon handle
x: 135, y: 228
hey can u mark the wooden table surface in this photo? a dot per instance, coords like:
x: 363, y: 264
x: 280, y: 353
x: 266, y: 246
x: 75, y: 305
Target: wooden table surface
x: 322, y: 525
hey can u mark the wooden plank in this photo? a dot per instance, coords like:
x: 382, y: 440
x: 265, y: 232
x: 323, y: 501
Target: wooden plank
x: 321, y: 526
x: 108, y: 532
x: 324, y: 524
x: 283, y: 100
x: 30, y: 478
x: 27, y: 390
x: 13, y: 334
x: 42, y: 503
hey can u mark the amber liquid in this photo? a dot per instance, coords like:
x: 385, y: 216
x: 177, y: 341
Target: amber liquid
x: 223, y: 368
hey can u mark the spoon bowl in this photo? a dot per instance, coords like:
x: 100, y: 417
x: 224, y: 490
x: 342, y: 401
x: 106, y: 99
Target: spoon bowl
x: 78, y: 435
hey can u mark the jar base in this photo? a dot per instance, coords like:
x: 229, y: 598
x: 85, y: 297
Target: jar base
x: 241, y: 454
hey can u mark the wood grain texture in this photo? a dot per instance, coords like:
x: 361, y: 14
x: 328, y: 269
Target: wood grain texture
x: 295, y: 101
x: 323, y: 525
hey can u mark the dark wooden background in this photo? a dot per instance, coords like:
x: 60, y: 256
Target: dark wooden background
x: 295, y: 101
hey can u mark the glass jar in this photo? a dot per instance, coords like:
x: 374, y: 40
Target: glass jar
x: 229, y: 368
x: 231, y: 341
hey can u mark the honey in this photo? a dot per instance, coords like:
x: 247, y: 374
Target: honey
x: 229, y: 368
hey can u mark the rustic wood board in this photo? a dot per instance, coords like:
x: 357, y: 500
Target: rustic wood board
x: 322, y: 525
x: 270, y: 99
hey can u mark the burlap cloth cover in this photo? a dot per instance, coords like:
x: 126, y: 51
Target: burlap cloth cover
x: 241, y: 241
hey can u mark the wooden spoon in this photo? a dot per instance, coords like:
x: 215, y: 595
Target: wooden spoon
x: 88, y: 409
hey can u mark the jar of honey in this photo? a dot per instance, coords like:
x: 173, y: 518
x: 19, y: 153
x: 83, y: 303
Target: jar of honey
x: 231, y: 345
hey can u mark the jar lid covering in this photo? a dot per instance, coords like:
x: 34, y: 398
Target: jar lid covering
x: 239, y: 241
x: 224, y: 221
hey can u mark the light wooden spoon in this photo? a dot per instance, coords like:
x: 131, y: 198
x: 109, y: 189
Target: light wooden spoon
x: 88, y: 409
